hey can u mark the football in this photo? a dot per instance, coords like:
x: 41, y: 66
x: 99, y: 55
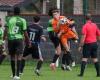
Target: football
x: 63, y: 21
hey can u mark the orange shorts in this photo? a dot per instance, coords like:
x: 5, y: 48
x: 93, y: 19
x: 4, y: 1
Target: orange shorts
x: 68, y: 35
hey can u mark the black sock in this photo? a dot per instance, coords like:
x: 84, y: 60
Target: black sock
x: 2, y: 57
x: 55, y: 58
x: 22, y: 65
x: 67, y: 59
x: 83, y: 64
x: 64, y: 59
x: 18, y: 67
x: 13, y: 67
x: 70, y: 56
x: 39, y: 64
x: 97, y: 67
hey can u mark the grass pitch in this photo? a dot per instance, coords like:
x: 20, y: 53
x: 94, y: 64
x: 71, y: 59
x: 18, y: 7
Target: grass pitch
x: 47, y: 74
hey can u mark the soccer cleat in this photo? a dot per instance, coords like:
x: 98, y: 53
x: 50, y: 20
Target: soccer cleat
x: 37, y: 72
x: 16, y: 78
x: 73, y: 64
x: 98, y: 75
x: 80, y: 75
x: 20, y: 73
x: 63, y: 67
x: 53, y: 66
x: 68, y: 68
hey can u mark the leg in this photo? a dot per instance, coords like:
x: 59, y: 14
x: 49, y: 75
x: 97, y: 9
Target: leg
x: 97, y: 66
x: 19, y: 57
x: 22, y: 65
x: 83, y: 65
x: 56, y: 56
x: 63, y: 66
x: 95, y: 59
x: 36, y: 53
x: 13, y: 64
x: 24, y: 57
x: 55, y: 40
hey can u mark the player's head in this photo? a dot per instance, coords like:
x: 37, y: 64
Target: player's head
x: 56, y: 13
x: 50, y: 12
x: 71, y: 20
x: 36, y: 19
x: 88, y: 17
x: 16, y: 11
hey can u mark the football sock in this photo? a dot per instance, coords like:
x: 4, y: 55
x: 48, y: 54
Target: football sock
x: 97, y: 67
x: 18, y: 67
x: 39, y: 64
x: 83, y: 64
x: 64, y: 59
x: 22, y: 65
x: 13, y: 67
x: 55, y: 58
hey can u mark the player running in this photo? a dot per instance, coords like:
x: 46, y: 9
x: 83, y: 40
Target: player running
x: 35, y: 32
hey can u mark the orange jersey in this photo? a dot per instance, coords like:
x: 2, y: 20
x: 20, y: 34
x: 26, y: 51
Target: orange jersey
x: 67, y: 33
x: 59, y: 27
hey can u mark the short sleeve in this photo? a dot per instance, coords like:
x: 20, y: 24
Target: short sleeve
x: 98, y: 31
x: 50, y: 28
x: 24, y: 24
x: 84, y: 31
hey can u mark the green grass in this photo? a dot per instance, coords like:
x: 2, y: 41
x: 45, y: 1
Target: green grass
x: 47, y: 74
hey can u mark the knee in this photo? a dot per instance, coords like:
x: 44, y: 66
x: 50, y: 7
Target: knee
x: 84, y: 59
x: 95, y: 60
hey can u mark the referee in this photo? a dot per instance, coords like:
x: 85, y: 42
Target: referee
x: 88, y: 42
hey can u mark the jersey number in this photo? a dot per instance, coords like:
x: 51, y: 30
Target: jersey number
x: 32, y: 36
x: 16, y: 29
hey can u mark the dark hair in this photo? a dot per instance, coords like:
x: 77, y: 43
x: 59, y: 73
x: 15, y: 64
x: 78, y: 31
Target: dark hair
x: 55, y: 10
x: 71, y: 19
x: 36, y: 19
x: 50, y: 12
x: 16, y: 10
x: 88, y: 17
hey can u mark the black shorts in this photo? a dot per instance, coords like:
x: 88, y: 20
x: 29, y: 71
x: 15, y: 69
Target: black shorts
x: 90, y: 50
x: 15, y: 46
x: 55, y: 40
x: 34, y: 51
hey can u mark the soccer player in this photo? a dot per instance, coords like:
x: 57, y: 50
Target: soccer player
x: 2, y: 46
x: 53, y: 37
x: 69, y: 58
x: 15, y: 30
x: 35, y: 32
x: 61, y: 31
x: 90, y: 32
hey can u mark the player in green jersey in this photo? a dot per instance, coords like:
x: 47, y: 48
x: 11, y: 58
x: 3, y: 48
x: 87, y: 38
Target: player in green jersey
x: 15, y: 30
